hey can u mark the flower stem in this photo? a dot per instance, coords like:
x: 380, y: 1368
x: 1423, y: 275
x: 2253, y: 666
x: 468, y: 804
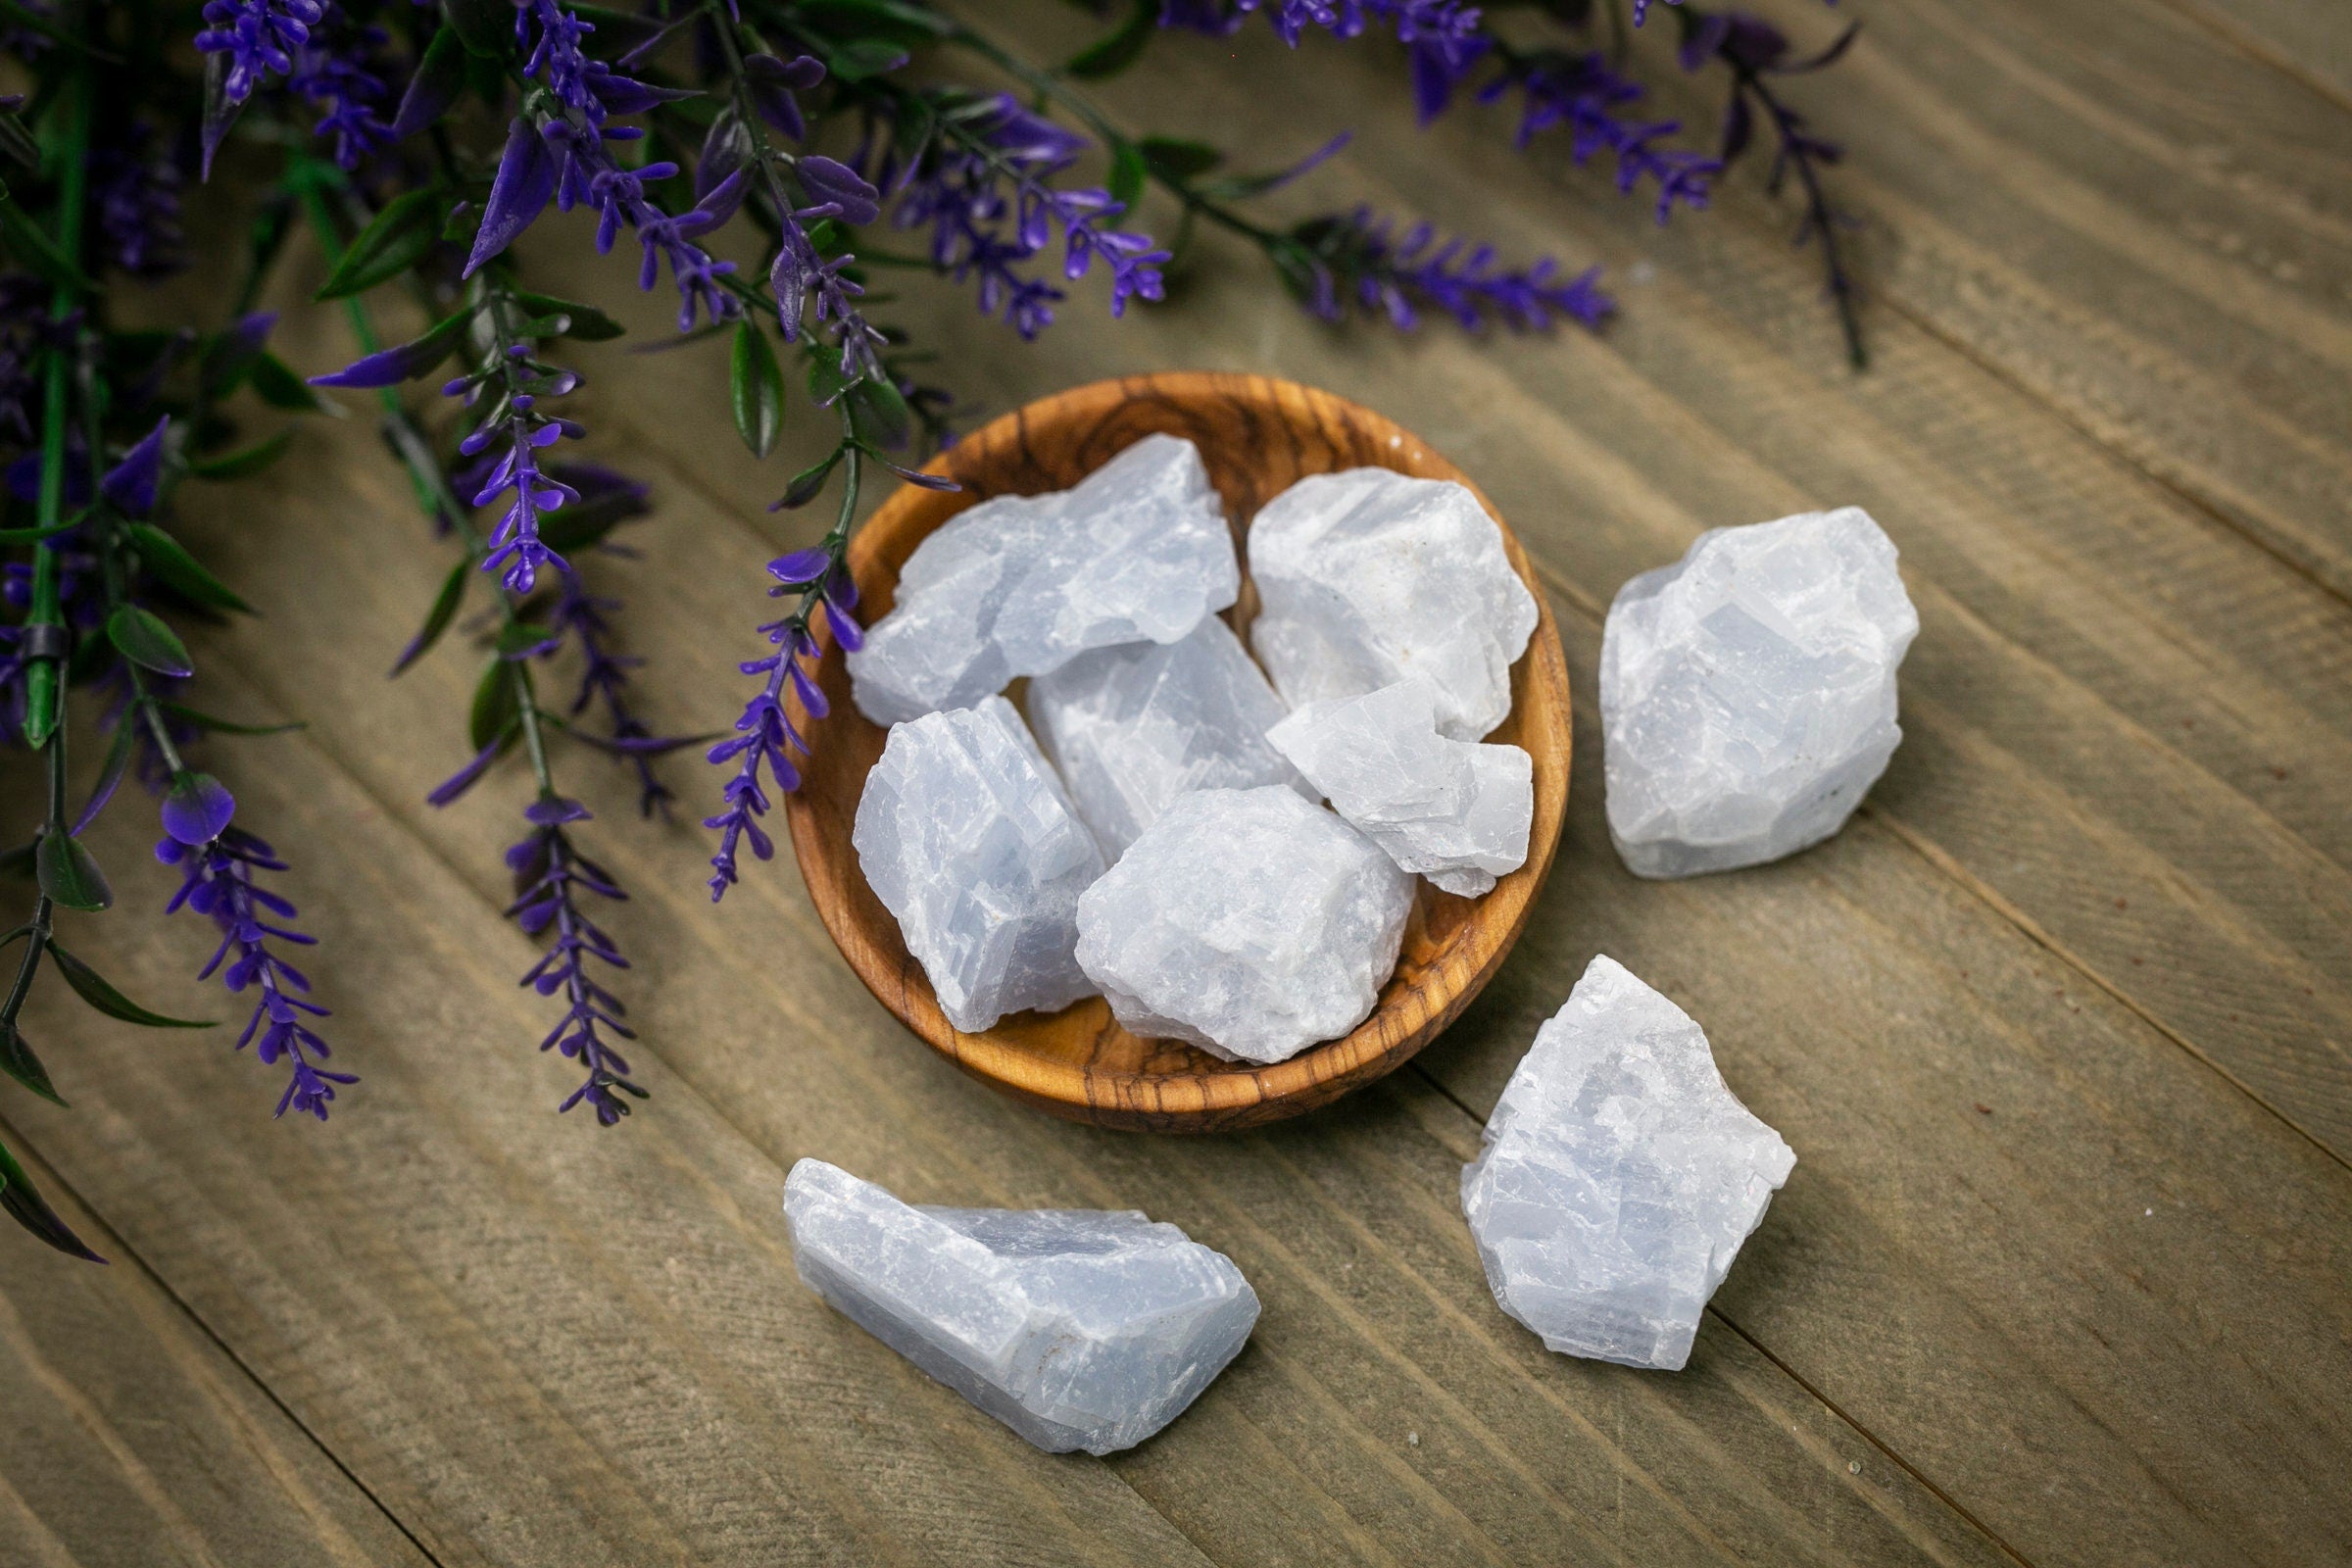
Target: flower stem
x: 44, y: 676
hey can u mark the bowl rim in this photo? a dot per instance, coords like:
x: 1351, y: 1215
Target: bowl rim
x: 1239, y: 1093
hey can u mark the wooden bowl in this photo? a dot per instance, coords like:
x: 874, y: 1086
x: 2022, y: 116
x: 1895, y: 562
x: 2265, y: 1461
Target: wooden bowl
x: 1257, y: 436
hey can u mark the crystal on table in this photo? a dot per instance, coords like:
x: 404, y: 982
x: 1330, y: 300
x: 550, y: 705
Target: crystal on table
x: 1747, y: 692
x: 1366, y: 577
x: 1456, y: 812
x: 1139, y: 551
x: 965, y: 836
x: 1618, y: 1177
x: 1077, y: 1328
x: 1249, y: 922
x: 1131, y: 728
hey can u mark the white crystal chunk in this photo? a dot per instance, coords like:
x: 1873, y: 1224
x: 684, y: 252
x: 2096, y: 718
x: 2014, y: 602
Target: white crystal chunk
x: 966, y: 835
x: 1747, y: 692
x: 1456, y: 811
x: 1131, y: 728
x: 1078, y: 1327
x: 1246, y: 921
x: 1366, y: 577
x: 1139, y: 551
x: 1618, y: 1177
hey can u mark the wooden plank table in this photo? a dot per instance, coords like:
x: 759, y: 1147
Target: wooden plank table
x: 2057, y: 1026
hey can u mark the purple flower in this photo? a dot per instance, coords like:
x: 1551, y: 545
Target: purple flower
x: 197, y: 808
x: 1584, y: 95
x: 132, y: 483
x: 984, y: 191
x: 585, y: 618
x: 764, y: 737
x: 550, y: 876
x: 1413, y: 21
x: 217, y: 880
x: 134, y: 196
x: 260, y: 38
x: 342, y: 71
x: 1398, y: 275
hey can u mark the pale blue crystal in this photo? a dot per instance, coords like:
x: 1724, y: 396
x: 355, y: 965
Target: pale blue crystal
x: 1077, y: 1328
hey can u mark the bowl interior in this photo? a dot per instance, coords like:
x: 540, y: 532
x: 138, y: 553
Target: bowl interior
x: 1256, y: 437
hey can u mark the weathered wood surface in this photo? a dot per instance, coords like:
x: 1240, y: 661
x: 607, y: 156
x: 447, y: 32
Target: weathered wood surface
x: 2056, y: 1027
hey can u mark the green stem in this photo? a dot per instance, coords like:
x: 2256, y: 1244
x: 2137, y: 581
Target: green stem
x: 44, y: 677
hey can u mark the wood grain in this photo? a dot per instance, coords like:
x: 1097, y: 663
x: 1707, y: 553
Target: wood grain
x: 2056, y: 1026
x: 1257, y: 437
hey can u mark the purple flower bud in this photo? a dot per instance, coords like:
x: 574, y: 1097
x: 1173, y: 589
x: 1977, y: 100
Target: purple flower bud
x: 800, y: 566
x: 837, y: 190
x: 196, y: 807
x: 525, y: 184
x: 132, y: 483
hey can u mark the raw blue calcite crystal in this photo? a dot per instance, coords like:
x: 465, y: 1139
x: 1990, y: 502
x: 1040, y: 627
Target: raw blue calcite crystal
x: 1078, y: 1327
x: 1131, y: 728
x: 1456, y: 811
x: 1618, y: 1177
x: 1139, y: 551
x: 965, y: 836
x: 1747, y: 692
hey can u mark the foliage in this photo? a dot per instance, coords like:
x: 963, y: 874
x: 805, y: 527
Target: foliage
x: 416, y: 143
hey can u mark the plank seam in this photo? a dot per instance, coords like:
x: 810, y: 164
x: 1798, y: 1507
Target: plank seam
x: 123, y: 1248
x: 1950, y: 870
x: 2256, y: 49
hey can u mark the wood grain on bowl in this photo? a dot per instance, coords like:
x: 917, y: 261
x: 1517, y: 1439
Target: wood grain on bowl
x: 1257, y: 436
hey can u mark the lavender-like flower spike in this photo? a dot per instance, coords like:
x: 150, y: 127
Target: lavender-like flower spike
x: 1585, y: 96
x: 1361, y: 256
x: 994, y: 163
x: 1413, y: 21
x: 550, y: 873
x: 259, y: 38
x: 764, y: 736
x: 217, y: 880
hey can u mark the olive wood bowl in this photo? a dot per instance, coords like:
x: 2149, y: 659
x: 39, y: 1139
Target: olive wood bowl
x: 1257, y: 436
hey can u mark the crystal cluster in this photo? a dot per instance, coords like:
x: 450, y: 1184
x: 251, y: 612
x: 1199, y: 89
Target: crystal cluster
x: 1747, y: 692
x: 965, y: 836
x: 1139, y: 551
x: 1131, y: 728
x: 1077, y: 1328
x: 1618, y: 1177
x: 1246, y: 921
x: 1456, y: 811
x: 1366, y: 577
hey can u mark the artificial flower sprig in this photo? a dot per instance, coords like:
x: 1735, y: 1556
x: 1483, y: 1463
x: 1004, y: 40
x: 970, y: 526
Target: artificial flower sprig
x: 417, y: 144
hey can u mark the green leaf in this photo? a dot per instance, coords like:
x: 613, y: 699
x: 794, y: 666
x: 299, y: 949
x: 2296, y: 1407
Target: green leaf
x: 93, y: 987
x: 437, y: 619
x: 1175, y: 157
x: 26, y: 1205
x: 495, y: 709
x: 1118, y: 49
x: 517, y: 638
x: 171, y: 564
x: 910, y: 27
x: 68, y: 873
x: 879, y: 413
x: 38, y: 253
x: 756, y: 389
x: 246, y: 461
x: 110, y: 773
x: 141, y: 637
x: 275, y: 384
x: 809, y: 481
x: 485, y: 27
x: 1126, y: 173
x: 19, y: 1062
x: 862, y: 59
x: 27, y: 536
x: 223, y: 726
x: 400, y: 235
x: 586, y: 322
